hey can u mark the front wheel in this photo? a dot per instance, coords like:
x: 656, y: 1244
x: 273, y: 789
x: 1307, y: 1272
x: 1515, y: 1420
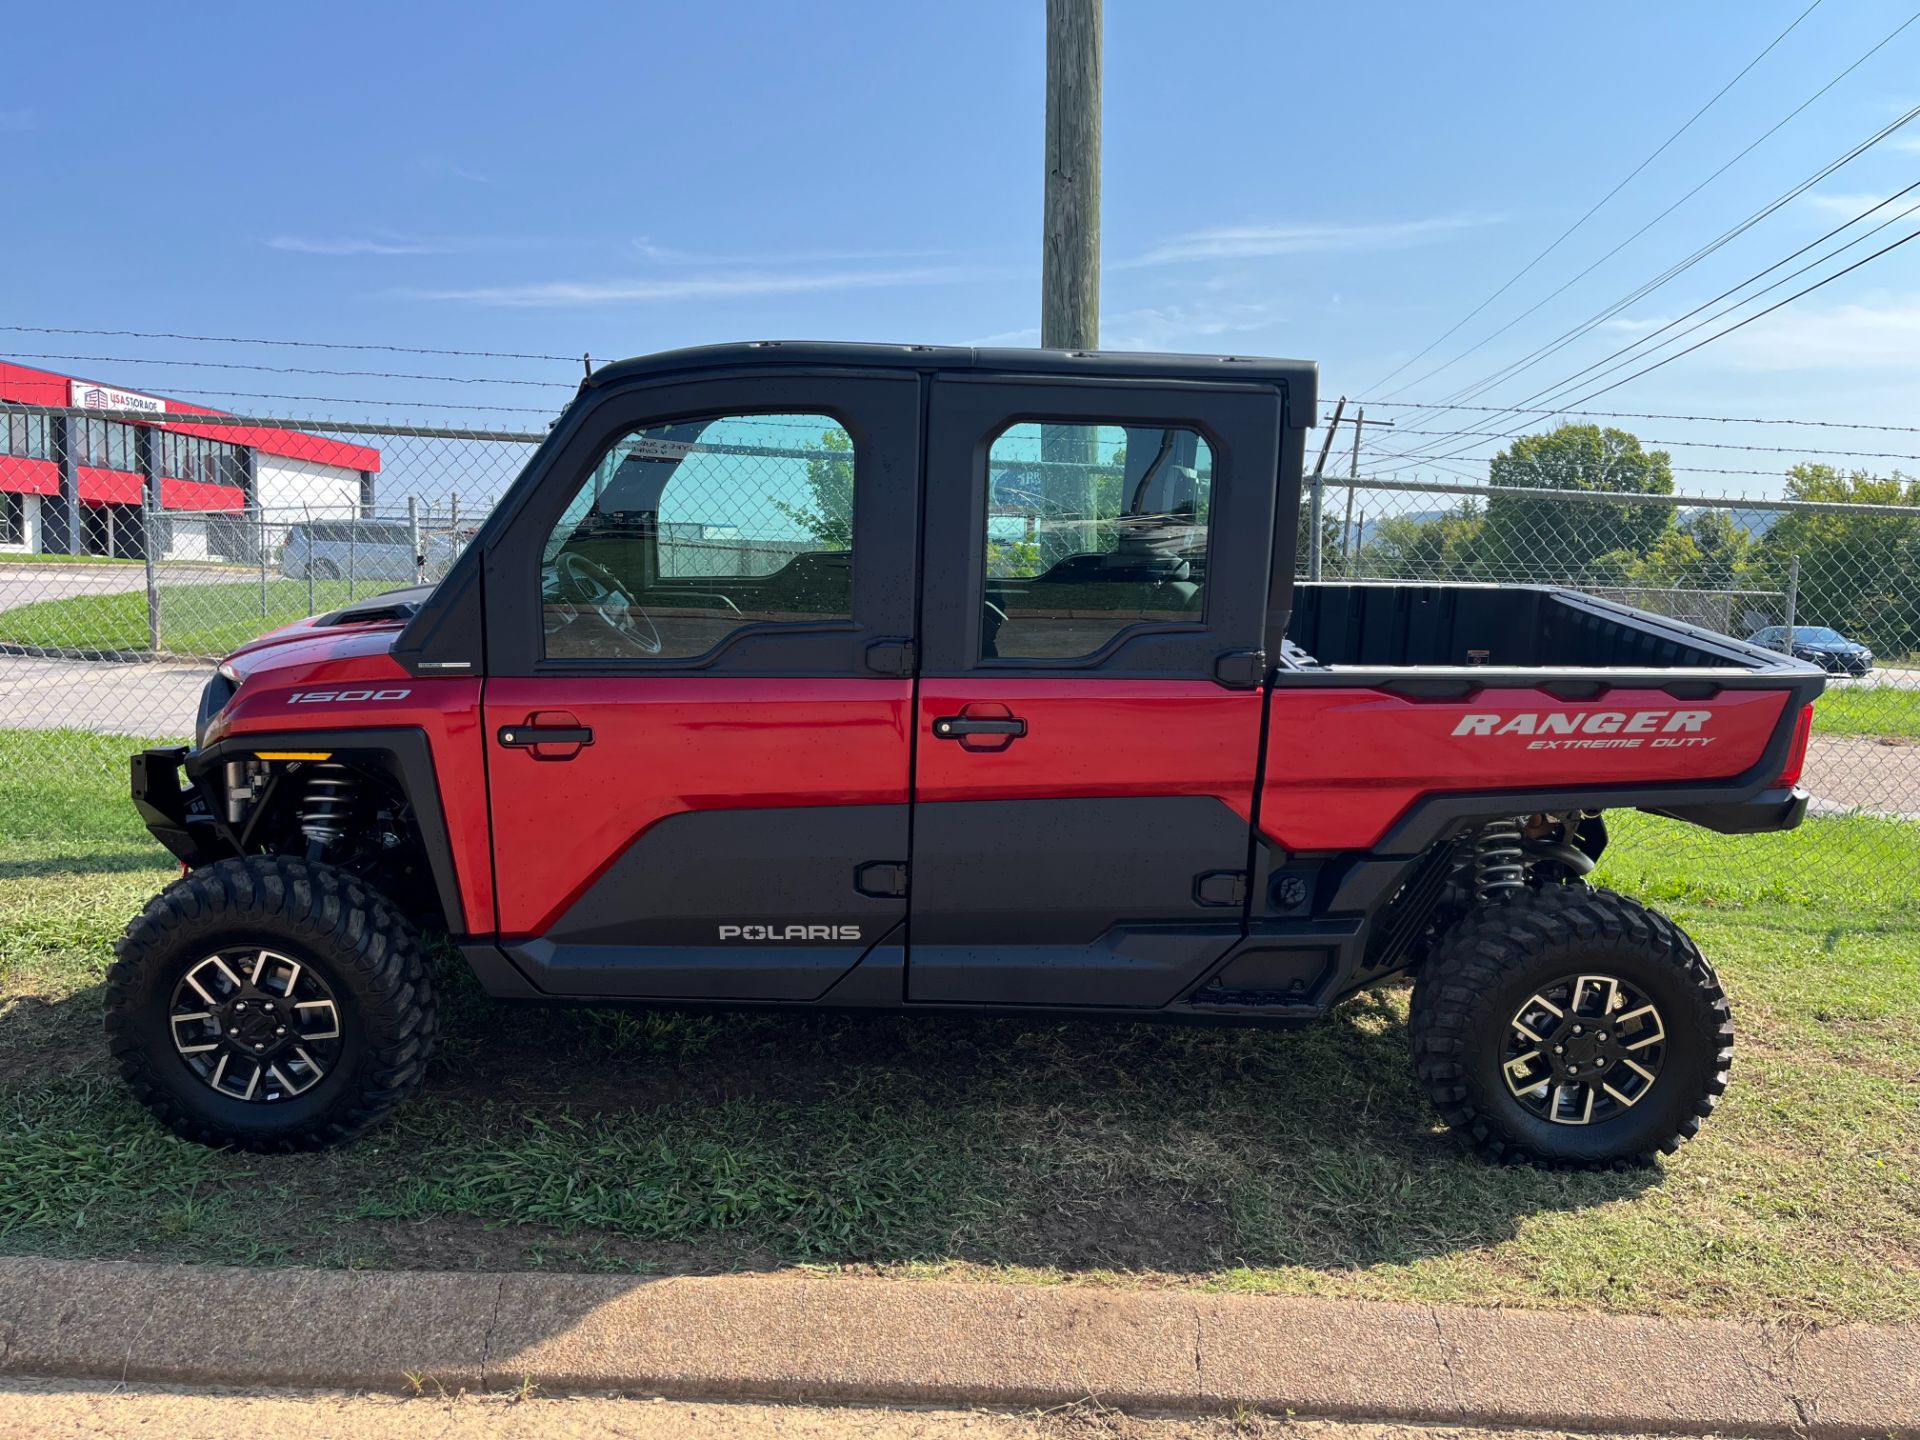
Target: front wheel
x: 1570, y: 1026
x: 271, y: 1004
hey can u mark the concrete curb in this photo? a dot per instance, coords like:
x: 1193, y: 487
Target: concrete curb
x: 800, y: 1338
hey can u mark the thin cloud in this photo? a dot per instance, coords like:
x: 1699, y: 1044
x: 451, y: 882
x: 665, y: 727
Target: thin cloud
x: 1844, y: 206
x: 1173, y: 327
x: 645, y: 247
x: 1243, y: 242
x: 358, y: 245
x: 1880, y: 335
x: 564, y: 293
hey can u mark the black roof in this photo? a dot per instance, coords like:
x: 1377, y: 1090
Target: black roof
x: 1300, y: 378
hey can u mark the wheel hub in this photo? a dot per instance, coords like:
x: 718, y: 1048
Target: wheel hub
x: 1583, y: 1049
x: 255, y: 1025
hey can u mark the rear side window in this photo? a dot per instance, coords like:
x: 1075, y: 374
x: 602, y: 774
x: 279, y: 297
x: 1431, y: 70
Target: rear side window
x: 686, y: 533
x: 1090, y: 530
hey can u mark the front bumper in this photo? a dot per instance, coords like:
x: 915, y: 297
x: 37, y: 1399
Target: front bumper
x: 1780, y: 809
x: 169, y: 809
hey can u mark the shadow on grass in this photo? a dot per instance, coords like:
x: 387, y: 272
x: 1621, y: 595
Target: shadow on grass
x: 104, y: 862
x: 651, y: 1141
x: 1068, y: 1147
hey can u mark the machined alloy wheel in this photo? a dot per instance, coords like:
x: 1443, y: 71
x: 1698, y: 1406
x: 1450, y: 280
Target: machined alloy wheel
x: 256, y: 1025
x: 1584, y: 1048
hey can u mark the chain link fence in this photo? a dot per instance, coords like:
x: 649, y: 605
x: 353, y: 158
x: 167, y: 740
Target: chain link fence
x: 118, y: 586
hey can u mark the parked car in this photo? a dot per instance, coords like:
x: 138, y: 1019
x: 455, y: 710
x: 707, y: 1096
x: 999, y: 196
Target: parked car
x: 1829, y: 649
x: 362, y: 550
x: 1132, y: 771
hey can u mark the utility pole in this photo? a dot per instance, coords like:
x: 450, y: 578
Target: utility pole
x: 1350, y: 540
x: 1317, y: 499
x: 1070, y: 262
x: 1070, y: 258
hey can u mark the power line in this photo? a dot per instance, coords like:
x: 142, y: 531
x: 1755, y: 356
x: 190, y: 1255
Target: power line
x: 1738, y: 325
x: 296, y: 344
x: 1818, y: 284
x: 1649, y: 287
x: 1621, y: 358
x: 1481, y: 385
x: 298, y: 370
x: 1594, y: 209
x: 1606, y: 365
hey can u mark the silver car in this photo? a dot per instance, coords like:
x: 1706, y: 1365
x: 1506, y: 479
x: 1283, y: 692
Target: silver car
x: 362, y: 550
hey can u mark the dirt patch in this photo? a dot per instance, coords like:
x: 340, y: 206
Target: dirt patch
x: 1879, y: 774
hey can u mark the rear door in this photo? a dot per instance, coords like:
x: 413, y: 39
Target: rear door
x: 1088, y: 718
x: 697, y: 707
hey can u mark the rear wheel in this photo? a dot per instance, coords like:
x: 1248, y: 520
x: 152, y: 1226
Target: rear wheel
x: 1571, y: 1026
x: 270, y: 1003
x: 323, y: 570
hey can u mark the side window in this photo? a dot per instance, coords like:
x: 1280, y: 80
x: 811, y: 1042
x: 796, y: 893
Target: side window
x: 685, y: 533
x: 1091, y: 529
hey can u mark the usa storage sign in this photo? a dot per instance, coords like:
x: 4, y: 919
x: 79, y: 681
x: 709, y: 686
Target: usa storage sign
x: 85, y: 395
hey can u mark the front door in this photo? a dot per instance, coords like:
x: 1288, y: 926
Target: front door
x: 698, y: 696
x: 1088, y: 718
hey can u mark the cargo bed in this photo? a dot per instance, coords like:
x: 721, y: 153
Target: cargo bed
x: 1369, y: 625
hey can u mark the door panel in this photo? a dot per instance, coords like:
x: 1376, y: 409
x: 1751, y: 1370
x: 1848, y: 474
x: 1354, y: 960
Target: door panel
x: 1064, y: 868
x: 698, y: 747
x: 1083, y: 785
x: 706, y: 843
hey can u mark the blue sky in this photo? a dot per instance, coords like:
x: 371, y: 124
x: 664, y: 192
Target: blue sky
x: 1341, y: 183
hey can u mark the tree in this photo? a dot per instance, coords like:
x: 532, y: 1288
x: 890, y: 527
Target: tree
x: 1525, y: 539
x: 1858, y: 573
x: 1443, y: 547
x: 828, y: 515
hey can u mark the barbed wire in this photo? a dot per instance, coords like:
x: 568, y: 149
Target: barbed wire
x: 296, y: 344
x: 303, y: 370
x: 1641, y: 415
x: 1695, y: 444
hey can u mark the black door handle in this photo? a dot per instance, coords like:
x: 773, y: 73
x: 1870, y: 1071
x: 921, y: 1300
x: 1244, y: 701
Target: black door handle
x: 955, y: 727
x: 519, y: 737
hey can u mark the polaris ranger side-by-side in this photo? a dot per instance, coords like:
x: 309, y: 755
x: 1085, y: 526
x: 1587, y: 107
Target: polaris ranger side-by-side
x: 949, y: 681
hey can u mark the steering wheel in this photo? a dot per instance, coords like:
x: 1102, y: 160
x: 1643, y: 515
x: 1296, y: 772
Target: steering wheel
x: 597, y: 589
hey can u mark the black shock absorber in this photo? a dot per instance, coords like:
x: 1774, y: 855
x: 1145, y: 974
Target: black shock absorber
x: 326, y: 807
x: 1499, y: 859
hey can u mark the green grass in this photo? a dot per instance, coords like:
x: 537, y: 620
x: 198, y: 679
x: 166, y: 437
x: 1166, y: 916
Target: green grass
x: 1855, y: 709
x: 10, y: 558
x: 208, y: 620
x: 1053, y: 1153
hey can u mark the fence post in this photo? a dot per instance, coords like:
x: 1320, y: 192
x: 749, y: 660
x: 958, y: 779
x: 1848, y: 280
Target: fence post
x: 150, y: 522
x: 1313, y: 522
x: 260, y: 513
x: 353, y: 556
x: 1793, y: 604
x: 413, y: 535
x: 306, y: 512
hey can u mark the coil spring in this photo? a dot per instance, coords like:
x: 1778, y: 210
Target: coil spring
x: 326, y: 805
x: 1499, y: 860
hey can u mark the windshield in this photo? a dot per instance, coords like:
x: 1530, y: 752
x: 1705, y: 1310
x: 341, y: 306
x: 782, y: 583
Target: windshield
x: 1819, y: 634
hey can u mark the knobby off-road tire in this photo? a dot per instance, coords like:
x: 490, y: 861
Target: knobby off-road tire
x: 1495, y: 981
x: 200, y: 938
